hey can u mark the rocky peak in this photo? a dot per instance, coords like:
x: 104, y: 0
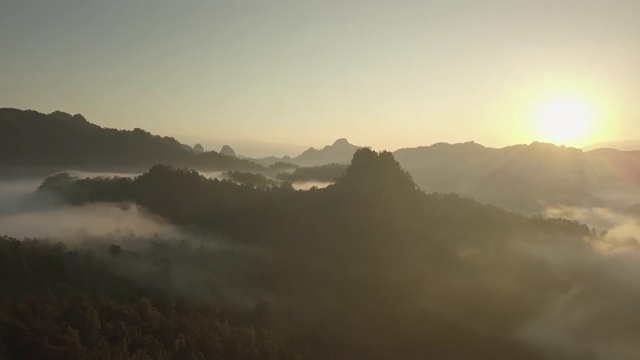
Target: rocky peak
x: 198, y: 149
x: 227, y: 150
x: 341, y: 142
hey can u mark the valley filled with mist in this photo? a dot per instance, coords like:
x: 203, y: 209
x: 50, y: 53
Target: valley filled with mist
x: 123, y: 244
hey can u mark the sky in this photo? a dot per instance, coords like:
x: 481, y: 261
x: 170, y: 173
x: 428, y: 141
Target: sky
x: 387, y: 74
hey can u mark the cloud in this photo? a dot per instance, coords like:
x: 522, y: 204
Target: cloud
x: 620, y: 231
x: 589, y: 294
x: 13, y: 194
x: 600, y: 218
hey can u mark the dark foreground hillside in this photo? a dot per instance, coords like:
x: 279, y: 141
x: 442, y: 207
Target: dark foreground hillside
x: 58, y: 303
x: 372, y: 267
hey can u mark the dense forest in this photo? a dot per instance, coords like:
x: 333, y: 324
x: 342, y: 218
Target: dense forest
x: 60, y: 303
x: 275, y: 175
x: 251, y: 179
x: 326, y: 173
x: 373, y: 267
x: 29, y: 138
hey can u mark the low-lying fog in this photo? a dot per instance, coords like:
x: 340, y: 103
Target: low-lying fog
x: 27, y: 214
x: 34, y: 183
x: 306, y: 185
x: 70, y: 223
x: 23, y: 213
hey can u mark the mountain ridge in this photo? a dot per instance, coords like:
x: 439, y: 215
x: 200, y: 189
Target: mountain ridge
x: 520, y: 177
x: 624, y: 145
x: 30, y: 138
x: 340, y: 152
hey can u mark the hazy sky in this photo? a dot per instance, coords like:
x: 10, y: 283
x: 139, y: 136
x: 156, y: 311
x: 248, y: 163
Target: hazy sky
x: 384, y: 73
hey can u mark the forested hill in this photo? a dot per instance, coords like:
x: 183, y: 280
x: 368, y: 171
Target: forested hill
x: 372, y: 267
x: 76, y: 304
x: 29, y: 138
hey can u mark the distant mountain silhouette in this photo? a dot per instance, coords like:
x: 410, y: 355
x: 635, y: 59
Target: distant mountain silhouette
x: 227, y: 150
x: 626, y: 145
x: 521, y: 177
x: 198, y: 149
x: 268, y: 161
x: 340, y: 152
x: 30, y: 138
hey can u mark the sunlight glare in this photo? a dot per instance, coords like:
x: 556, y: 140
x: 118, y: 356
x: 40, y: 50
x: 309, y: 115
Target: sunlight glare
x: 565, y: 119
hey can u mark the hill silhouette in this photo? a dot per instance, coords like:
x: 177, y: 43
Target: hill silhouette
x: 340, y: 152
x: 625, y: 145
x: 29, y: 138
x: 522, y: 177
x: 525, y: 178
x: 227, y: 150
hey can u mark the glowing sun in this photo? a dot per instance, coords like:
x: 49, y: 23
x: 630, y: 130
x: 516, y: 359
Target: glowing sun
x: 564, y: 119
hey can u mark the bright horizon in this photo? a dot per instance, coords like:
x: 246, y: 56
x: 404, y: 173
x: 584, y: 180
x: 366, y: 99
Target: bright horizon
x: 305, y: 74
